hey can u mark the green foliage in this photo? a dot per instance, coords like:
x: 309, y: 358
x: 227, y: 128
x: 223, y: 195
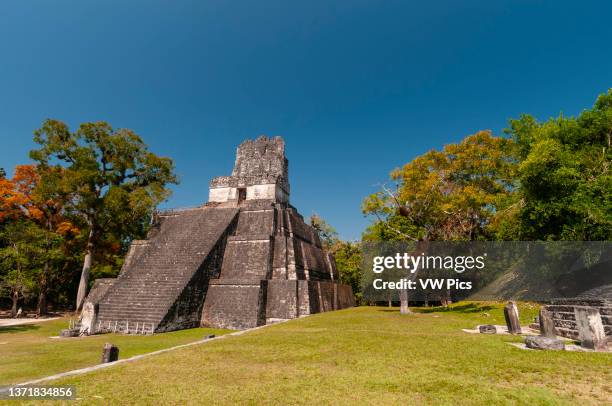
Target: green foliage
x: 549, y: 181
x: 564, y: 173
x: 2, y: 173
x: 453, y: 194
x: 349, y: 257
x: 327, y: 234
x: 347, y: 254
x: 106, y: 179
x: 22, y: 258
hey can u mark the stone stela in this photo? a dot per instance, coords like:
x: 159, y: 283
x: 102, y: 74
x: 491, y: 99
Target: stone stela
x: 512, y: 318
x: 244, y: 259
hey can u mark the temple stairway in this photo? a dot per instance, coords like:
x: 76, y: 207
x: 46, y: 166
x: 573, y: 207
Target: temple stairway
x: 163, y: 286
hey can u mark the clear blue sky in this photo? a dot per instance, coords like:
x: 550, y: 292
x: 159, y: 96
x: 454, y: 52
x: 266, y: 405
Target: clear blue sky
x: 356, y: 88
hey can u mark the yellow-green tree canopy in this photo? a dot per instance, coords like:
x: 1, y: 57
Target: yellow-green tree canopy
x: 453, y: 194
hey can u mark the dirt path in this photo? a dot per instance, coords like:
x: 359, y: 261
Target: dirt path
x: 19, y: 322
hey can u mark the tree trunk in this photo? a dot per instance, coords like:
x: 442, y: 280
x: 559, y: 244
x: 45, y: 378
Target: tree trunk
x: 41, y: 309
x: 85, y: 272
x: 404, y: 309
x: 389, y: 302
x: 15, y: 298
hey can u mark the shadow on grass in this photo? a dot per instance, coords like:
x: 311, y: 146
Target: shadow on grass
x: 19, y: 329
x: 466, y: 308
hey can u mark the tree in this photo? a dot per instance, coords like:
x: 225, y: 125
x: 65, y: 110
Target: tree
x: 13, y: 202
x: 347, y: 254
x: 20, y: 258
x: 327, y: 234
x: 26, y: 200
x: 2, y: 173
x: 453, y: 194
x: 565, y: 181
x: 349, y: 258
x: 108, y: 179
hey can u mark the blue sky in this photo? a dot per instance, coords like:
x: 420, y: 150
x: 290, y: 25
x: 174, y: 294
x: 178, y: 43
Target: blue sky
x: 356, y: 88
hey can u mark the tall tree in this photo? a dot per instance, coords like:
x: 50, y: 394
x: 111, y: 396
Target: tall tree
x: 349, y: 258
x: 13, y: 202
x: 27, y: 200
x: 107, y: 178
x: 565, y: 177
x: 453, y: 194
x: 20, y: 259
x: 347, y: 254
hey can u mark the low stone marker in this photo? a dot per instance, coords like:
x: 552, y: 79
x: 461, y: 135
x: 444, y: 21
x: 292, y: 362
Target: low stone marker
x: 69, y: 332
x: 547, y: 324
x: 487, y: 329
x: 110, y: 353
x: 512, y: 318
x: 544, y: 343
x: 590, y: 328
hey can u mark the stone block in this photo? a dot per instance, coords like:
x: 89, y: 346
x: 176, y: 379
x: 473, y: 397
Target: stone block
x: 547, y: 324
x: 69, y: 332
x: 487, y: 329
x: 512, y: 318
x: 590, y: 328
x: 544, y: 343
x: 110, y: 353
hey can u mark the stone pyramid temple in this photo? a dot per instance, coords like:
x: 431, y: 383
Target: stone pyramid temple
x: 244, y: 259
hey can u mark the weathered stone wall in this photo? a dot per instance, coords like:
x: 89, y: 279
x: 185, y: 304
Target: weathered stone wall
x: 282, y: 300
x: 288, y: 299
x: 564, y: 318
x: 99, y: 289
x: 235, y: 304
x: 261, y: 168
x: 273, y: 244
x: 247, y: 259
x: 256, y: 222
x: 262, y: 161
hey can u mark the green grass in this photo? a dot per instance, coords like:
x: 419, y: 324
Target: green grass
x: 360, y: 356
x: 27, y: 351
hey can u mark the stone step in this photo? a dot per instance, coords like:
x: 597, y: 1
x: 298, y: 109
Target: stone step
x: 134, y: 306
x: 130, y: 317
x: 139, y: 299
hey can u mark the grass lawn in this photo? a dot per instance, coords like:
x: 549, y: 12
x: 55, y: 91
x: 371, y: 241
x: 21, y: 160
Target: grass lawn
x: 364, y: 355
x: 27, y: 352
